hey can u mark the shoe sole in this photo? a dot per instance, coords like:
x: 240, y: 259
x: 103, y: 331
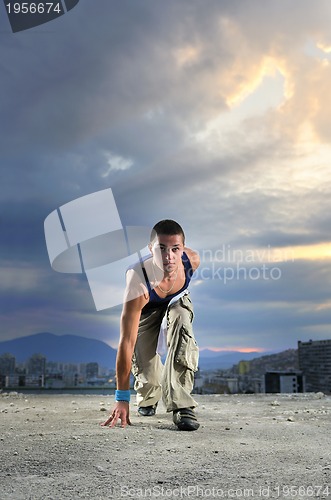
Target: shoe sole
x: 185, y: 420
x: 149, y: 413
x: 188, y: 425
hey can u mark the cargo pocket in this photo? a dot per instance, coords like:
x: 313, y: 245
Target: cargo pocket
x: 187, y: 353
x: 134, y: 366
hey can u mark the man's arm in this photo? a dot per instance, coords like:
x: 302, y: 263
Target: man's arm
x: 194, y: 258
x: 128, y: 335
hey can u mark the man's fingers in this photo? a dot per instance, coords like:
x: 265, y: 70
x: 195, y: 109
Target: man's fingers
x: 107, y: 422
x: 114, y: 422
x: 115, y: 417
x: 121, y: 414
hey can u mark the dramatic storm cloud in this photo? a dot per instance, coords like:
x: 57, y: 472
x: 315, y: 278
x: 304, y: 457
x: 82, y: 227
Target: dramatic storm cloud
x: 213, y: 113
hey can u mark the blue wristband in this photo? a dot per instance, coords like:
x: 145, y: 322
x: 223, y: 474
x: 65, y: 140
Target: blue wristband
x: 122, y: 395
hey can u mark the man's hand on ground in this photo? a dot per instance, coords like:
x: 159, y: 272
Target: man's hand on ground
x: 120, y: 412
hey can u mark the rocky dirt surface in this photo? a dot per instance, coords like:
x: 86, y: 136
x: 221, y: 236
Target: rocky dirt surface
x: 248, y: 446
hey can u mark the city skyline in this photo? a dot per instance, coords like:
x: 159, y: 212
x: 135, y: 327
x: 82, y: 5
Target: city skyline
x: 215, y: 114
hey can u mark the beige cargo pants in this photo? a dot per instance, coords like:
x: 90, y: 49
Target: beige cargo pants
x: 174, y: 381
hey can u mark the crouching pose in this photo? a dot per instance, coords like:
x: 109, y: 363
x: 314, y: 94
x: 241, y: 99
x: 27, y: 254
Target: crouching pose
x: 157, y: 305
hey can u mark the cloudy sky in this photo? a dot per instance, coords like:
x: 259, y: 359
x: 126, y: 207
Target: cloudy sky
x: 211, y: 112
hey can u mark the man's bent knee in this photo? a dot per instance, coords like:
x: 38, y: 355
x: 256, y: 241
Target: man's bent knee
x: 180, y: 313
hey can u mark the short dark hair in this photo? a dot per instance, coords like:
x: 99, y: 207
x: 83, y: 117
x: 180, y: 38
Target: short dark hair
x: 168, y: 227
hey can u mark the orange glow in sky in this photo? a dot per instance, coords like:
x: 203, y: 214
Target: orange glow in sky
x: 316, y: 251
x: 233, y: 348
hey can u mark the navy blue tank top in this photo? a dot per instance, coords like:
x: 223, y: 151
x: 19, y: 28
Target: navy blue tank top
x: 154, y: 300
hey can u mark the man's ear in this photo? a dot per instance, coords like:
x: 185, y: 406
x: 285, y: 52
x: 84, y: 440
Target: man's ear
x: 150, y: 247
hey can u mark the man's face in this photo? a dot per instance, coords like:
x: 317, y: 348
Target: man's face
x: 167, y: 251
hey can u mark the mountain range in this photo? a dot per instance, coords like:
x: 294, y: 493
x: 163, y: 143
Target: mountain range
x: 282, y: 361
x: 209, y: 360
x: 77, y: 349
x: 60, y: 348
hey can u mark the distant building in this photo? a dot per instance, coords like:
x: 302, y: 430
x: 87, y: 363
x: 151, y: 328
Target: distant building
x: 92, y: 370
x: 35, y: 371
x: 284, y: 382
x: 36, y: 365
x: 315, y: 363
x: 7, y: 364
x: 7, y: 368
x: 243, y: 367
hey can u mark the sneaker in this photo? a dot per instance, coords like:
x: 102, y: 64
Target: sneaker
x: 185, y: 419
x: 147, y: 411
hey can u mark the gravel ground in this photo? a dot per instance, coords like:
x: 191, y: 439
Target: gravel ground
x: 248, y: 446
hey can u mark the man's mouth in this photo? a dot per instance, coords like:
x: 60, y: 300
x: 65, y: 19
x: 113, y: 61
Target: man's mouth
x: 168, y: 266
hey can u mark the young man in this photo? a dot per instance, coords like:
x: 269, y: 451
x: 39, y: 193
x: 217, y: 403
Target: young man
x: 156, y: 293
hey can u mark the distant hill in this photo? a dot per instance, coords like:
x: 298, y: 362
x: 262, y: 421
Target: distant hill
x: 77, y: 349
x: 282, y: 361
x: 209, y: 360
x: 62, y: 348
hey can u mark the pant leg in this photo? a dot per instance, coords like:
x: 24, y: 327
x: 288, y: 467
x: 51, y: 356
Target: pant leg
x: 146, y: 363
x: 182, y: 358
